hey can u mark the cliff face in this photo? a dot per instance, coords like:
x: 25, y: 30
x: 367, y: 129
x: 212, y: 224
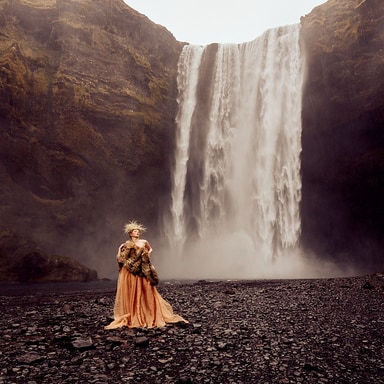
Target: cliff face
x: 343, y: 132
x: 22, y: 260
x: 88, y: 92
x: 88, y: 102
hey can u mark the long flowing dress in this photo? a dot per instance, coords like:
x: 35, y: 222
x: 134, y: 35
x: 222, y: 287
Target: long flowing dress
x: 138, y: 304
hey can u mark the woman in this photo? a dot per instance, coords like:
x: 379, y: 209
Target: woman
x: 138, y: 304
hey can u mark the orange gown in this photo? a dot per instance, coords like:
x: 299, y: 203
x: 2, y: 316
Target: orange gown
x: 138, y: 304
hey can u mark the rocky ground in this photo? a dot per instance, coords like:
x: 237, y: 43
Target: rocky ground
x: 286, y: 331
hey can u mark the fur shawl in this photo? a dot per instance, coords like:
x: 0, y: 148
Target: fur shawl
x: 136, y: 260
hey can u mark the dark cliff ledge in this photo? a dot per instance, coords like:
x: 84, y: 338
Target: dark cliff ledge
x: 343, y: 132
x: 23, y: 261
x: 88, y: 92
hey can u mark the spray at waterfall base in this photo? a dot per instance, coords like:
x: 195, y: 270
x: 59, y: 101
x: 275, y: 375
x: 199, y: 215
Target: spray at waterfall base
x: 234, y: 256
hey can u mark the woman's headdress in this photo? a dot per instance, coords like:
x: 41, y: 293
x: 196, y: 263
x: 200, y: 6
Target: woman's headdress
x: 133, y: 224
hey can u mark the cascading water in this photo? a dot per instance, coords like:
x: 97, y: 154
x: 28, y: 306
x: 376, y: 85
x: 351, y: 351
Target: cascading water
x: 236, y: 182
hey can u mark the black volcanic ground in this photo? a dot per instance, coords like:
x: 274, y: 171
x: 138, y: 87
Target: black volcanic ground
x: 286, y: 331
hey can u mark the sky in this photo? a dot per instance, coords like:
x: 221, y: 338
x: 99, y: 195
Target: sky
x: 222, y: 21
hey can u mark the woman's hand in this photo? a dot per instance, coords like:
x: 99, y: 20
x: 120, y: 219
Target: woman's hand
x: 149, y: 248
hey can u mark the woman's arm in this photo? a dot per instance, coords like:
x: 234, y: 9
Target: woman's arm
x: 149, y: 248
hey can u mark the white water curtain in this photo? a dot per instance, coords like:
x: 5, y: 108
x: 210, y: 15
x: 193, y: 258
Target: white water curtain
x: 236, y: 182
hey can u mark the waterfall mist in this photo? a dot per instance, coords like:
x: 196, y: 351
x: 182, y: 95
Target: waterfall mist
x: 236, y: 182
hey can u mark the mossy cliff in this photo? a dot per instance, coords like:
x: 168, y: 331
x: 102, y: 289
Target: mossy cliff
x: 88, y: 92
x: 343, y: 132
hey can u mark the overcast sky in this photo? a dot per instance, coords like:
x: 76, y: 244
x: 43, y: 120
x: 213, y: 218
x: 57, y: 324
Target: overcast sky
x: 222, y: 21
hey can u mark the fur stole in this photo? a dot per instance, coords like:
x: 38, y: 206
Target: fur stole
x: 137, y: 261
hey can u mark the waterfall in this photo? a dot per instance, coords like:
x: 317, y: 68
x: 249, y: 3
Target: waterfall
x: 236, y: 181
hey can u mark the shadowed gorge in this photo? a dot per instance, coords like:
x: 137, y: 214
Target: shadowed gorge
x: 87, y: 129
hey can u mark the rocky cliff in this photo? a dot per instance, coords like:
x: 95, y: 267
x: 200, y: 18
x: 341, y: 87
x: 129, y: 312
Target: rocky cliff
x: 87, y: 124
x: 88, y: 100
x: 343, y: 132
x: 23, y: 261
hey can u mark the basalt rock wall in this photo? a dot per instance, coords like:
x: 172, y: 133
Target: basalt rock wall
x: 343, y: 133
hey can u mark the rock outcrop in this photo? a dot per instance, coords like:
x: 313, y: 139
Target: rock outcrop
x: 88, y: 92
x: 22, y: 261
x: 343, y: 132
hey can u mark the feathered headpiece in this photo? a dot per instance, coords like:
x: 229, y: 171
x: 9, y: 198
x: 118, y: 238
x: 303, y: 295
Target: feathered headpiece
x: 129, y: 227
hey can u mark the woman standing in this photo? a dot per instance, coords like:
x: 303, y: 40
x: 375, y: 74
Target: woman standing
x: 138, y: 304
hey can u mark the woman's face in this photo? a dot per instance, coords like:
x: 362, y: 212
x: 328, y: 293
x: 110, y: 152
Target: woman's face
x: 135, y: 233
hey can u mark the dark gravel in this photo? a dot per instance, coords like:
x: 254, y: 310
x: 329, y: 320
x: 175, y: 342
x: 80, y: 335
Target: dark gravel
x: 286, y: 331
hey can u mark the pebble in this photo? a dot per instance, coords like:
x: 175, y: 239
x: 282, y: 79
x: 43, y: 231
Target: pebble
x: 281, y: 331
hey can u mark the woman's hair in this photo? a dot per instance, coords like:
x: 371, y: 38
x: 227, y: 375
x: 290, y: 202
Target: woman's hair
x: 133, y: 224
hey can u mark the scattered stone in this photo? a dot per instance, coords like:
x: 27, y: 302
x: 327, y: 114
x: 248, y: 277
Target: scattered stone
x: 30, y: 358
x: 114, y: 341
x: 165, y: 361
x: 309, y: 367
x: 184, y: 380
x: 303, y: 331
x: 83, y: 344
x: 142, y: 341
x: 221, y: 345
x: 368, y: 285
